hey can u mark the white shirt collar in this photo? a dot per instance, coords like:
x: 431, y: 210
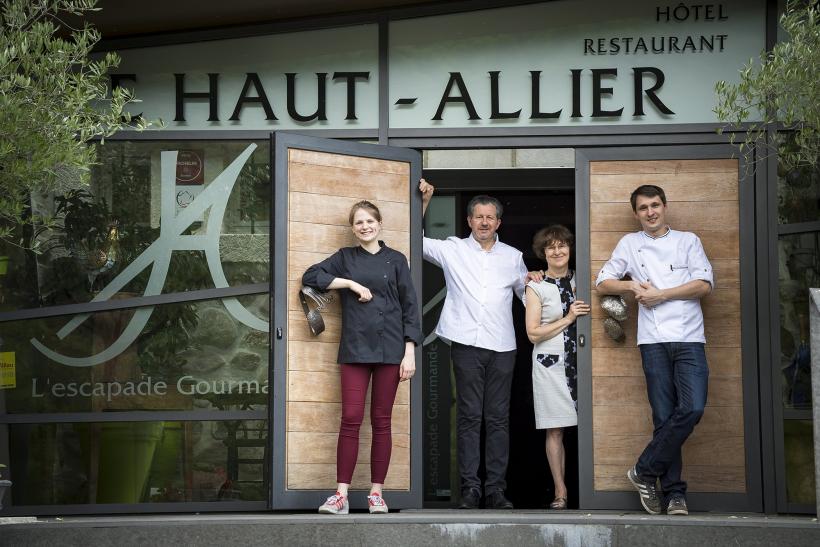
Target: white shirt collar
x: 668, y: 231
x: 473, y: 242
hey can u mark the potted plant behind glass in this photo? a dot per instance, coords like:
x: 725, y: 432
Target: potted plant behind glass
x: 4, y: 485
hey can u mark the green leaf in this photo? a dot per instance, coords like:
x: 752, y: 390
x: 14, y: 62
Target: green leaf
x: 54, y: 101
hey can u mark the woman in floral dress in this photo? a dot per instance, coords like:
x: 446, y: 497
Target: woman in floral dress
x: 551, y: 313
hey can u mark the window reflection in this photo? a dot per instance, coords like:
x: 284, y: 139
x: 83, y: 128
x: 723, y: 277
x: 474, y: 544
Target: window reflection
x: 799, y: 270
x: 189, y: 356
x: 106, y: 226
x: 798, y: 195
x: 138, y: 462
x: 799, y: 454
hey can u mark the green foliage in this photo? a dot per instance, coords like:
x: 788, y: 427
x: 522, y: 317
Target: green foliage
x: 54, y: 100
x: 780, y: 92
x: 254, y: 193
x: 85, y: 222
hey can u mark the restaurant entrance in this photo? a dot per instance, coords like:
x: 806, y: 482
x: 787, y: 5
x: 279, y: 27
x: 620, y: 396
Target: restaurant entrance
x: 532, y: 199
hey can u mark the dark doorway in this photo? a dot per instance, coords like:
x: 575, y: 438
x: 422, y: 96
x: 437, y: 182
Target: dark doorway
x: 532, y: 199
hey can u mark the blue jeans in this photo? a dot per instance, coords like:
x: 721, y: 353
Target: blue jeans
x: 677, y: 378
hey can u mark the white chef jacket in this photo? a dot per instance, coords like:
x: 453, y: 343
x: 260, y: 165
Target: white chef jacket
x: 480, y: 284
x: 667, y: 261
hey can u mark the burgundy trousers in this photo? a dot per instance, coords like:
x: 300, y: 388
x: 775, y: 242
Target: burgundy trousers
x: 355, y: 379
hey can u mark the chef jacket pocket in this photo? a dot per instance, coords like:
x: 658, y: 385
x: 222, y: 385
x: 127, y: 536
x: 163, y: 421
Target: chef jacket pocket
x: 678, y: 273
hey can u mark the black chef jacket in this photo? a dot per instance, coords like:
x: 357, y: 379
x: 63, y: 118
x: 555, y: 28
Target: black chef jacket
x: 374, y: 331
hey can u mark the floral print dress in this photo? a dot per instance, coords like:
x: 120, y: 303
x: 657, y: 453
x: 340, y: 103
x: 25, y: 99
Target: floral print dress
x: 554, y: 368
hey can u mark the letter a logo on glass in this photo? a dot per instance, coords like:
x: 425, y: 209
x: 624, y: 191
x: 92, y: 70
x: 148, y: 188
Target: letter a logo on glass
x: 158, y: 257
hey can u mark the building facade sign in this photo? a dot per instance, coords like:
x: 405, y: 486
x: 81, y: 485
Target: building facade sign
x: 641, y: 62
x: 319, y: 79
x: 547, y: 64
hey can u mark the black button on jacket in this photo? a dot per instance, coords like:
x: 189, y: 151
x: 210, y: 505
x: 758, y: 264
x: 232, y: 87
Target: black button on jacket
x: 374, y: 331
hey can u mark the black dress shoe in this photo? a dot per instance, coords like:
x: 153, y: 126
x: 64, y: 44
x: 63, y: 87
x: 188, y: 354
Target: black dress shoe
x: 470, y: 499
x: 496, y: 500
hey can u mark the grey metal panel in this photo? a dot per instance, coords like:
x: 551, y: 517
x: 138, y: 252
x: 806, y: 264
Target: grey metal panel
x: 416, y: 386
x: 313, y: 23
x: 281, y: 497
x: 529, y: 178
x: 244, y: 31
x: 771, y: 23
x: 805, y: 508
x: 384, y: 79
x: 119, y: 508
x: 775, y: 375
x: 558, y: 141
x: 752, y: 499
x: 235, y: 134
x: 133, y: 416
x: 279, y: 325
x: 764, y: 322
x: 574, y: 130
x: 798, y: 227
x: 797, y: 414
x: 136, y: 302
x: 586, y: 496
x: 749, y: 334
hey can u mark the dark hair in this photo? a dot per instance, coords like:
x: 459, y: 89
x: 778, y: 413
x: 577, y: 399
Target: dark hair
x: 367, y: 206
x: 647, y: 191
x: 485, y: 200
x: 547, y: 236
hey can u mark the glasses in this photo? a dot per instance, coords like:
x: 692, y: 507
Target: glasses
x: 557, y: 247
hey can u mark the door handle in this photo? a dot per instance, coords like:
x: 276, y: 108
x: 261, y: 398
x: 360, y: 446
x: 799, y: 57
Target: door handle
x: 278, y: 333
x: 582, y: 340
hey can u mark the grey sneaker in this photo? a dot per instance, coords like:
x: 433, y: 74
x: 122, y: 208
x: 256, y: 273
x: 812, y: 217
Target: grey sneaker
x: 677, y: 506
x: 649, y: 494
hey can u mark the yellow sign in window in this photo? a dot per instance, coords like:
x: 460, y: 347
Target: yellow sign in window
x: 8, y: 375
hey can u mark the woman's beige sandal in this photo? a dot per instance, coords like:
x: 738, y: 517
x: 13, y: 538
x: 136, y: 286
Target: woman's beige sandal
x: 559, y: 503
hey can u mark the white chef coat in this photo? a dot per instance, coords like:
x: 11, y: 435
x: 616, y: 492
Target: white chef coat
x: 667, y: 261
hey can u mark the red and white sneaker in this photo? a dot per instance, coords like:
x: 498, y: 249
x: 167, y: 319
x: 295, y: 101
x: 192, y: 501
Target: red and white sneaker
x: 335, y: 505
x: 376, y: 504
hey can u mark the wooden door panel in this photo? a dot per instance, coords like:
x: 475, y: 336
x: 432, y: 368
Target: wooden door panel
x: 703, y: 198
x: 317, y: 182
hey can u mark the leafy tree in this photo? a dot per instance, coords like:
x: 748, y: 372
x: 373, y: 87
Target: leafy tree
x: 54, y: 100
x: 780, y: 92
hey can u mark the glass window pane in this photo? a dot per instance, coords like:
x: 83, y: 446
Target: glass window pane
x: 137, y: 462
x: 798, y: 195
x: 116, y: 235
x: 799, y: 270
x: 799, y: 451
x: 184, y: 356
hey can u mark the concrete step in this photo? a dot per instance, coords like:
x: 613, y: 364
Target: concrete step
x: 411, y: 528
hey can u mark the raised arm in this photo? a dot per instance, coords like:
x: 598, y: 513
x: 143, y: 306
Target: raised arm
x: 426, y: 190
